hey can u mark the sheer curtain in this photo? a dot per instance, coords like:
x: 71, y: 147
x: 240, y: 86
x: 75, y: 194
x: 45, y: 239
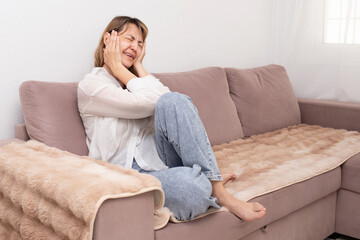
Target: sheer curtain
x: 342, y: 21
x: 316, y: 69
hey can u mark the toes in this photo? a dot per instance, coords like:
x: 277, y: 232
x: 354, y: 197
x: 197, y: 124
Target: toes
x: 258, y: 207
x: 228, y: 177
x: 260, y: 214
x: 254, y: 216
x: 257, y: 215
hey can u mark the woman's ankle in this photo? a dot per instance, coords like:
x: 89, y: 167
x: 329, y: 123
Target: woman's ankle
x: 220, y: 192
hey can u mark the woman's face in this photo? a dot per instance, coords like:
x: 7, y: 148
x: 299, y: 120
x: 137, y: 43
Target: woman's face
x: 131, y: 45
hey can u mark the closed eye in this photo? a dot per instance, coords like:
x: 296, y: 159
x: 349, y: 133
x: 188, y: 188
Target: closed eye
x: 131, y: 38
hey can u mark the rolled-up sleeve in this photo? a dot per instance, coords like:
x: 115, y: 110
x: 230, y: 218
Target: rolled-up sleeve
x: 97, y: 98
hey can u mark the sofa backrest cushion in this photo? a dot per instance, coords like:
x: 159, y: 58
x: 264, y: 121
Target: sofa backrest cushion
x: 209, y: 91
x: 51, y: 115
x: 264, y: 98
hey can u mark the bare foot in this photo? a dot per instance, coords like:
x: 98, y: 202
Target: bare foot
x: 227, y: 177
x: 247, y: 211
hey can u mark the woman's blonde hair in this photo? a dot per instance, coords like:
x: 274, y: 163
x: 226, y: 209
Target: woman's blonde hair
x: 118, y: 24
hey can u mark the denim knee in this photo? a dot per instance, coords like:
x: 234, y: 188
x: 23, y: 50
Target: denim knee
x: 171, y: 99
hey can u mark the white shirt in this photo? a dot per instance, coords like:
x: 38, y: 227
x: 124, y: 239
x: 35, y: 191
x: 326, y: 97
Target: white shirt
x: 119, y: 123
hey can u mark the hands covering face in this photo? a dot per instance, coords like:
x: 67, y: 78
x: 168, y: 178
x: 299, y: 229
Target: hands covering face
x: 117, y: 45
x: 125, y: 50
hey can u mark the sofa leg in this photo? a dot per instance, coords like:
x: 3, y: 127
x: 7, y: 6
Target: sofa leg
x: 126, y: 218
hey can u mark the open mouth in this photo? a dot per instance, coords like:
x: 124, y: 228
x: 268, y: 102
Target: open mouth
x: 129, y: 55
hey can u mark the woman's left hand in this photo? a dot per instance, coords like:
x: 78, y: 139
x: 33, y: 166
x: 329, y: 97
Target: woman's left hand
x: 137, y: 66
x: 142, y: 55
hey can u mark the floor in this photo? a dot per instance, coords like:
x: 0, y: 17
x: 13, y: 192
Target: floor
x: 336, y: 236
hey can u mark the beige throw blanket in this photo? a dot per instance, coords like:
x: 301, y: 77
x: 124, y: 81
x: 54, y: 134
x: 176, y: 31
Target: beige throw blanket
x: 47, y: 193
x: 274, y: 160
x: 50, y: 194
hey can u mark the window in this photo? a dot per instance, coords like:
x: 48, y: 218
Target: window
x: 342, y: 21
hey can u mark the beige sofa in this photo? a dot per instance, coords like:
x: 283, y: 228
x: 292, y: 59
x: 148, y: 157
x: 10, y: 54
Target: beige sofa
x: 232, y: 103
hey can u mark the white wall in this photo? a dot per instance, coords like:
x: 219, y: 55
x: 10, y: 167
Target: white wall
x: 49, y: 40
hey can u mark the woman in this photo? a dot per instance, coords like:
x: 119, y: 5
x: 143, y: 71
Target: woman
x: 120, y: 103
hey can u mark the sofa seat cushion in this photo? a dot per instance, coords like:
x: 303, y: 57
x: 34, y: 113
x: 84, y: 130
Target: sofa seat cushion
x: 264, y: 98
x: 351, y: 174
x: 209, y: 90
x: 51, y: 115
x: 278, y: 204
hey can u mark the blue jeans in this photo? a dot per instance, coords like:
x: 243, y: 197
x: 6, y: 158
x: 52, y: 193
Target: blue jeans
x: 183, y: 145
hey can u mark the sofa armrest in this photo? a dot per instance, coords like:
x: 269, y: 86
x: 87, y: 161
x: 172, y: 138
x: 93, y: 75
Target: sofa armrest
x: 332, y: 114
x: 62, y: 195
x: 126, y: 218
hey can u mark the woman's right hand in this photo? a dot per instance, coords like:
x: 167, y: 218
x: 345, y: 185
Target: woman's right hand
x: 112, y: 51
